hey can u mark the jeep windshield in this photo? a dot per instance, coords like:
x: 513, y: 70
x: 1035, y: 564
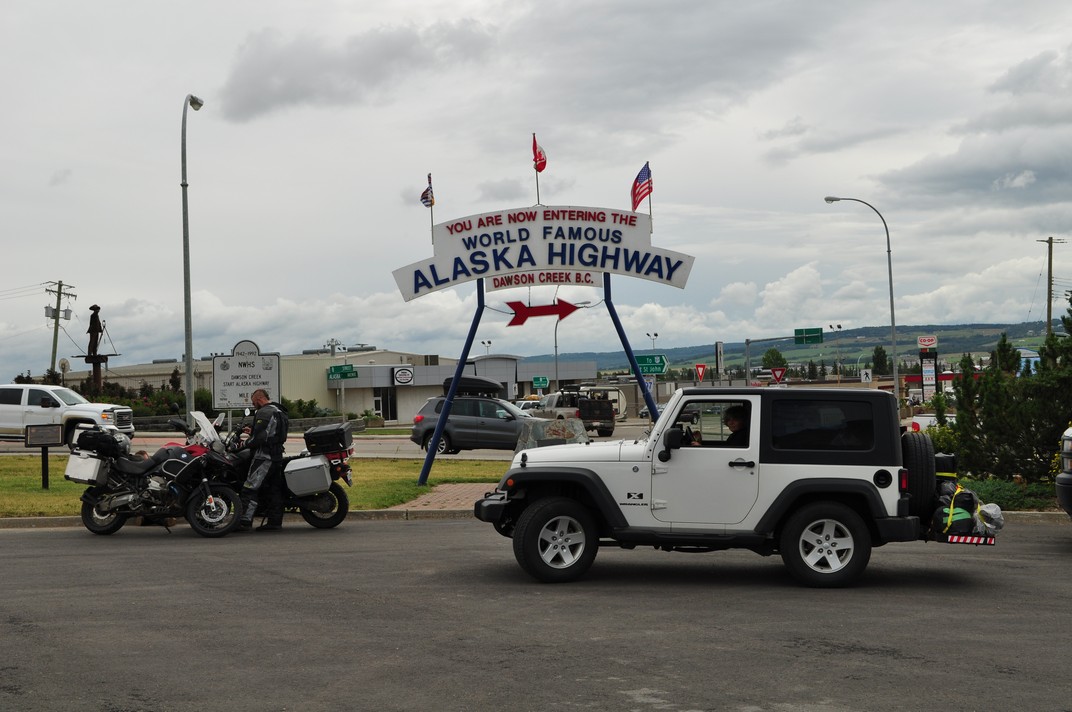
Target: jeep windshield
x: 68, y: 396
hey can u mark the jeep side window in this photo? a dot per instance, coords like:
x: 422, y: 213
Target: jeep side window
x: 714, y: 423
x: 822, y: 425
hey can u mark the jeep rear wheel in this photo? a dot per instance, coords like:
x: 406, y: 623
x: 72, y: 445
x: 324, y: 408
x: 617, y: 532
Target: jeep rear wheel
x: 917, y: 453
x: 825, y: 545
x: 555, y: 540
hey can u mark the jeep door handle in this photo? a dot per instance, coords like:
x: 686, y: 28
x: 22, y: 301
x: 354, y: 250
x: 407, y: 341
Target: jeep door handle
x: 742, y: 463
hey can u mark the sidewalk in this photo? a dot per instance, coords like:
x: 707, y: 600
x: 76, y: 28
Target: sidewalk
x: 448, y: 501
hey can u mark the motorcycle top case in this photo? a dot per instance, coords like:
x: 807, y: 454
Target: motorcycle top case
x: 308, y: 475
x: 86, y: 470
x: 329, y: 438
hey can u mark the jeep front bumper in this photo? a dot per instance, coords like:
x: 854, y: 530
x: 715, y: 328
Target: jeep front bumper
x: 491, y: 507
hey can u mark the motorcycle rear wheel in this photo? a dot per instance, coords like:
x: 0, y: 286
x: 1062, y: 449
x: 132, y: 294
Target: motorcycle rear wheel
x: 333, y: 518
x: 217, y: 517
x: 100, y: 522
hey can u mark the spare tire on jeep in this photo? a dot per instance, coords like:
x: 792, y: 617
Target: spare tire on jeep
x: 917, y: 454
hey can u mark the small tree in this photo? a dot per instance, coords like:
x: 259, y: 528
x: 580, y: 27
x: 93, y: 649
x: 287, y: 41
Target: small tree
x: 773, y: 358
x: 881, y: 361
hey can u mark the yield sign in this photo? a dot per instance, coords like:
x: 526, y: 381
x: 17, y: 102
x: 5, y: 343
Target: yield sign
x: 701, y: 369
x: 522, y: 312
x: 777, y: 372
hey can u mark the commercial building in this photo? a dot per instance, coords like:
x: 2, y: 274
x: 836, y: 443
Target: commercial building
x: 392, y: 384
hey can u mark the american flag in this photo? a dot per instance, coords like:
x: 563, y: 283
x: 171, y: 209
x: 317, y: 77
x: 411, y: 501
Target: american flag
x: 641, y: 186
x: 426, y: 197
x: 539, y: 156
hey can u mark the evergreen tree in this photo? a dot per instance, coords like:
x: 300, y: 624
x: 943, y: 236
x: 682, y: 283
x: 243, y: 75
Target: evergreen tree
x: 773, y: 358
x: 881, y: 361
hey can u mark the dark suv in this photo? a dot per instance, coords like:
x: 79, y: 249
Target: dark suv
x: 476, y: 422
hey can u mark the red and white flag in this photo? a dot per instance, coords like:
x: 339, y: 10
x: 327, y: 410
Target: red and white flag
x: 641, y: 186
x: 539, y: 156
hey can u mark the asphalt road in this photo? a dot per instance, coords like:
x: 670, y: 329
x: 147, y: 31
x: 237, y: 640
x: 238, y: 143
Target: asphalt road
x: 436, y: 615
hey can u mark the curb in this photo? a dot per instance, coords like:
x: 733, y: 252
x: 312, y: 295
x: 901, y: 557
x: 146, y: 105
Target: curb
x: 362, y: 514
x: 414, y: 515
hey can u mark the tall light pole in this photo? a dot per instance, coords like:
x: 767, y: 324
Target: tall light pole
x: 837, y: 349
x: 653, y: 336
x: 557, y: 322
x: 889, y: 267
x: 487, y: 346
x: 195, y: 103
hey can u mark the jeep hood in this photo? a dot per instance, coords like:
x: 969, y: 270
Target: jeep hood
x: 579, y: 453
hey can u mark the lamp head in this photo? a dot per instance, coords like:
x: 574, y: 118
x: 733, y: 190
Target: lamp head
x: 831, y: 199
x: 195, y: 103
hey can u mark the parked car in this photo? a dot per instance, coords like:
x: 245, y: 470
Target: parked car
x: 476, y: 422
x: 39, y: 404
x: 527, y: 404
x: 644, y: 410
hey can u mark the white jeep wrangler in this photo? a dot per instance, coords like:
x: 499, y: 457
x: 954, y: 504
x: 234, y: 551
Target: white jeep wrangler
x: 819, y: 476
x: 38, y: 404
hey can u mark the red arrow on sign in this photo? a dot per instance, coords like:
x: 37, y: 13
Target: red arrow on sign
x: 701, y: 369
x: 777, y: 372
x: 522, y: 312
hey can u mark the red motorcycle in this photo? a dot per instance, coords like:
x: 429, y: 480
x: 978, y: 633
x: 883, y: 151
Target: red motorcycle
x: 176, y: 481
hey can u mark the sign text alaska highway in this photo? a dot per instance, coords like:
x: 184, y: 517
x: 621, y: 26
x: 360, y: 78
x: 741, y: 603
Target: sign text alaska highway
x: 542, y: 244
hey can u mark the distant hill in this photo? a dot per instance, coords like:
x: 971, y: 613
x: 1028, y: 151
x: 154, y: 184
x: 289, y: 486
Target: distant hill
x: 854, y: 345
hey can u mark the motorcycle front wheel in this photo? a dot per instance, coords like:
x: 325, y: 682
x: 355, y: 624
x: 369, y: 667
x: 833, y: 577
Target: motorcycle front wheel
x: 100, y: 522
x: 329, y: 517
x: 214, y: 516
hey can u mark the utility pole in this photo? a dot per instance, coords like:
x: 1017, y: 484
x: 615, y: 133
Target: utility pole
x: 58, y: 288
x: 1049, y: 283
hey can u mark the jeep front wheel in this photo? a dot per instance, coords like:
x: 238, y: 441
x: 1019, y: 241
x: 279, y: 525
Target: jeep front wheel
x: 825, y: 545
x: 555, y: 540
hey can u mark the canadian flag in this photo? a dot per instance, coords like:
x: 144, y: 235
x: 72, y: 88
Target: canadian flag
x: 539, y: 156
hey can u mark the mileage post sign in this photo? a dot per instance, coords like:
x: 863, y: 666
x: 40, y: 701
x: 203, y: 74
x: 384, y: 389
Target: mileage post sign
x: 235, y: 377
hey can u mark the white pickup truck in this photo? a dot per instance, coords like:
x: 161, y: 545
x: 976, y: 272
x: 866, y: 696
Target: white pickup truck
x: 38, y: 404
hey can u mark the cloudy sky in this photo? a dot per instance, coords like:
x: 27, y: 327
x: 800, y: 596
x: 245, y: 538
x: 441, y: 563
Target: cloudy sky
x: 322, y: 120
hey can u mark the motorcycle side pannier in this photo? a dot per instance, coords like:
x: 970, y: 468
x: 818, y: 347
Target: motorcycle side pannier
x: 308, y: 475
x: 86, y: 470
x: 329, y: 438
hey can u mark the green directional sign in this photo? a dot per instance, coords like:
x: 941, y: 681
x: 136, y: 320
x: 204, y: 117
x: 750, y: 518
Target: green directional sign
x: 539, y: 382
x: 341, y: 375
x: 342, y: 371
x: 812, y: 335
x: 652, y: 364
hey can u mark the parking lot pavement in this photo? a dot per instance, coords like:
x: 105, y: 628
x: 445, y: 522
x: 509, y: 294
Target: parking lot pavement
x: 400, y: 615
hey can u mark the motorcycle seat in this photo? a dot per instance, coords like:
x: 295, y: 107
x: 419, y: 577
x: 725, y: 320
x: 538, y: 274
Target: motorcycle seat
x: 133, y: 465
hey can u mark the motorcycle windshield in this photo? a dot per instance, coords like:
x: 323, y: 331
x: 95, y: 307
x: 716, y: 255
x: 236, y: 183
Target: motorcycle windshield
x: 206, y: 431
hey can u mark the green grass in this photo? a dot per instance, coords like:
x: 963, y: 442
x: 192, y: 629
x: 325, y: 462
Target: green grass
x: 378, y: 483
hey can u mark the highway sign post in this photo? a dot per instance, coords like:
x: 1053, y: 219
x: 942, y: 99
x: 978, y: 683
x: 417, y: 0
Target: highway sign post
x: 539, y: 382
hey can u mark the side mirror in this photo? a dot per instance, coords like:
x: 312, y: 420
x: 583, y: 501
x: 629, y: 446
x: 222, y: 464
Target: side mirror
x: 49, y: 403
x: 671, y: 441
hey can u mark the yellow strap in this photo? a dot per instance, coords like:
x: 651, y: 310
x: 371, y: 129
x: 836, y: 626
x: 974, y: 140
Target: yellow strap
x: 952, y: 501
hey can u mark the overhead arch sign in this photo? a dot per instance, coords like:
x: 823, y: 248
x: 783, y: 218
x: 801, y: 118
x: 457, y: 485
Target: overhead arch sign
x: 542, y: 245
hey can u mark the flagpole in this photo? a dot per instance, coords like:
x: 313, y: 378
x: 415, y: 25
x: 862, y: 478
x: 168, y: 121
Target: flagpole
x: 537, y: 184
x: 651, y: 218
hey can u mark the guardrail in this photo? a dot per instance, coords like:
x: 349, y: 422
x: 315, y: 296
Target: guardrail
x: 159, y: 423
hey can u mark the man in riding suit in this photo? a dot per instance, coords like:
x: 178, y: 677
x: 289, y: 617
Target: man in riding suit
x: 266, y: 470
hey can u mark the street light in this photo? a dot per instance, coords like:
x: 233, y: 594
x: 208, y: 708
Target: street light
x: 487, y: 346
x: 653, y: 337
x: 837, y: 348
x: 557, y: 322
x: 889, y: 266
x: 195, y: 103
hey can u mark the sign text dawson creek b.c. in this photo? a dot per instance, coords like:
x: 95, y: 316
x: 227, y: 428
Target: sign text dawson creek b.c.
x: 542, y: 239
